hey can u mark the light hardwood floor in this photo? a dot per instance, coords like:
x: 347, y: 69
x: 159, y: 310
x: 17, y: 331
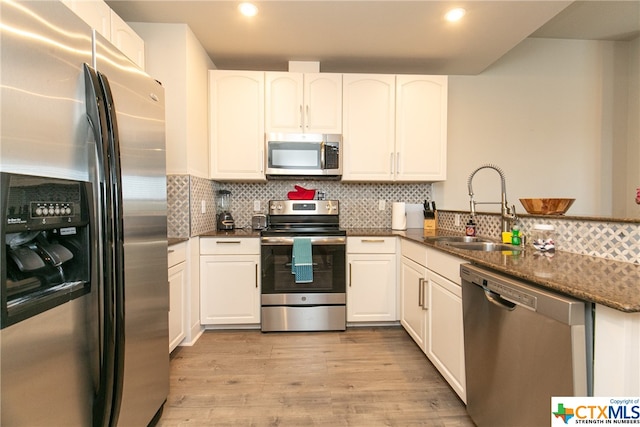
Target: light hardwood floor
x: 362, y: 377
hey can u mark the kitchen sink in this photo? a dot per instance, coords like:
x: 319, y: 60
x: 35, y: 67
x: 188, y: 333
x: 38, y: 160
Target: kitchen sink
x: 482, y: 246
x: 456, y: 239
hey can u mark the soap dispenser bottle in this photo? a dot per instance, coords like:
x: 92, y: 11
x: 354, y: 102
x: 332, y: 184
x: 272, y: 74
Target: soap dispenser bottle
x: 515, y: 236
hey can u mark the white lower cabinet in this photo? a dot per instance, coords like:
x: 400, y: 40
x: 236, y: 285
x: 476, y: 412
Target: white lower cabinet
x: 413, y: 279
x: 616, y: 352
x: 445, y: 346
x: 431, y: 310
x: 177, y: 257
x: 445, y: 343
x: 229, y: 281
x: 371, y: 279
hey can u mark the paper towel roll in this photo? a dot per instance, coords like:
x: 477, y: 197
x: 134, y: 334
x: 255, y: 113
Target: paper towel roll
x: 399, y: 216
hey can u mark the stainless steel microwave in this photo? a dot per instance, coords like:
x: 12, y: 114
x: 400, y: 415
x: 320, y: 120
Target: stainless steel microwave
x: 303, y: 154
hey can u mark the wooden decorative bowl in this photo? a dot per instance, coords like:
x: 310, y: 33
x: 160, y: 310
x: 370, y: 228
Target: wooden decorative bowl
x: 547, y: 206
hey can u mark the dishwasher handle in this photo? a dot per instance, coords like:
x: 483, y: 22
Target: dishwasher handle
x: 496, y: 299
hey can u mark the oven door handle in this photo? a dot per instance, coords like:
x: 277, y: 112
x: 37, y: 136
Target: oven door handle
x: 315, y: 240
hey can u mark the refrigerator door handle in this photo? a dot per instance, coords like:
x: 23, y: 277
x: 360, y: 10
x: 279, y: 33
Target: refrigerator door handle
x: 115, y: 173
x: 96, y: 115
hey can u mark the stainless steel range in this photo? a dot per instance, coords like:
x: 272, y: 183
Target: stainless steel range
x: 303, y: 267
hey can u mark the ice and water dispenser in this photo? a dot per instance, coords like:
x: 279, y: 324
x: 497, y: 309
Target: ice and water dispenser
x: 45, y: 232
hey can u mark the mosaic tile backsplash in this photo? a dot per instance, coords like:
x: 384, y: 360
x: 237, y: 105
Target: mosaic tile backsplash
x: 618, y: 241
x: 359, y: 209
x: 358, y: 202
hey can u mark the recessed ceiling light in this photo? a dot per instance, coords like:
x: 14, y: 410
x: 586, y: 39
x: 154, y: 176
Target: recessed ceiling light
x: 455, y: 15
x: 248, y: 9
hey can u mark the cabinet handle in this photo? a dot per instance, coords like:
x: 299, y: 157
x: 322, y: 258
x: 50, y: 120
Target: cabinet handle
x: 372, y: 240
x: 425, y: 306
x: 256, y: 276
x: 228, y: 242
x: 261, y: 161
x: 349, y: 274
x: 170, y: 251
x: 420, y: 280
x: 301, y: 117
x: 391, y: 163
x: 306, y: 119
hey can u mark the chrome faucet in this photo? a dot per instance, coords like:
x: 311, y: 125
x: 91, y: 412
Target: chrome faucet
x: 508, y: 214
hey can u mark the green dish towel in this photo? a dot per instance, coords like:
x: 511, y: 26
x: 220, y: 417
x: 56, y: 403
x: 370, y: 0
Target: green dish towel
x: 301, y: 260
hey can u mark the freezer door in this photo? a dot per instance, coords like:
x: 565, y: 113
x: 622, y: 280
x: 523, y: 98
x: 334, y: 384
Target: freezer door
x: 42, y: 112
x: 48, y: 363
x: 143, y: 299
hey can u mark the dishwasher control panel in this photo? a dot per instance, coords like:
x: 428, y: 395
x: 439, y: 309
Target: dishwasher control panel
x: 514, y: 295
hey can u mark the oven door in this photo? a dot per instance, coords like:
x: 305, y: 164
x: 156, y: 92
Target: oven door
x: 328, y: 257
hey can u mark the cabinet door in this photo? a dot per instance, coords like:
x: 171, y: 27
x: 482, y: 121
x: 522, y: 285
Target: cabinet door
x: 229, y: 289
x: 323, y: 103
x: 421, y: 128
x: 371, y: 288
x: 284, y: 102
x: 95, y: 13
x: 236, y: 111
x: 177, y: 291
x: 412, y: 301
x: 125, y: 39
x: 369, y: 127
x: 445, y: 344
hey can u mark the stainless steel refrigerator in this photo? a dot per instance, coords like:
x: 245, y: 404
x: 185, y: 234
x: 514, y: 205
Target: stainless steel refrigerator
x: 83, y: 289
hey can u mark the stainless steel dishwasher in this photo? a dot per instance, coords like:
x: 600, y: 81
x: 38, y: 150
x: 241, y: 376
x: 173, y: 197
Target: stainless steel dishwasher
x: 522, y: 345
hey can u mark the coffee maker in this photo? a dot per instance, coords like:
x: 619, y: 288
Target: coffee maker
x: 224, y: 219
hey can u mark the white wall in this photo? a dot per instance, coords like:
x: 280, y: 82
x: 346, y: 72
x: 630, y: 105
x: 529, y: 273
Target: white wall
x: 175, y: 57
x: 543, y: 114
x: 632, y: 210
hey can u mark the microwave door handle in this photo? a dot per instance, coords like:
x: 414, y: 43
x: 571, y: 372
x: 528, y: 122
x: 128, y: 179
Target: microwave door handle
x: 322, y: 155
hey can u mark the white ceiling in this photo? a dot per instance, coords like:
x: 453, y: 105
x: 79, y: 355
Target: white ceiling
x: 382, y: 36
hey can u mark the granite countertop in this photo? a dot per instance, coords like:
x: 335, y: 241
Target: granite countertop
x: 238, y: 232
x: 615, y: 284
x: 176, y: 240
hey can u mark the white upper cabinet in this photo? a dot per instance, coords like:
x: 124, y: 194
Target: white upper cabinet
x: 105, y: 21
x: 236, y: 120
x: 125, y: 39
x: 421, y: 128
x: 303, y: 102
x: 96, y: 13
x: 395, y: 128
x: 369, y: 127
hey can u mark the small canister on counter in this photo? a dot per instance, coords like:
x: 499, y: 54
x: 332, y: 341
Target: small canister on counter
x: 543, y: 237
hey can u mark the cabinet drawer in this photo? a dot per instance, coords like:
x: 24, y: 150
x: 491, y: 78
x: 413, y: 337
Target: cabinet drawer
x: 414, y: 251
x: 445, y: 264
x: 229, y: 246
x: 176, y: 254
x: 371, y: 245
